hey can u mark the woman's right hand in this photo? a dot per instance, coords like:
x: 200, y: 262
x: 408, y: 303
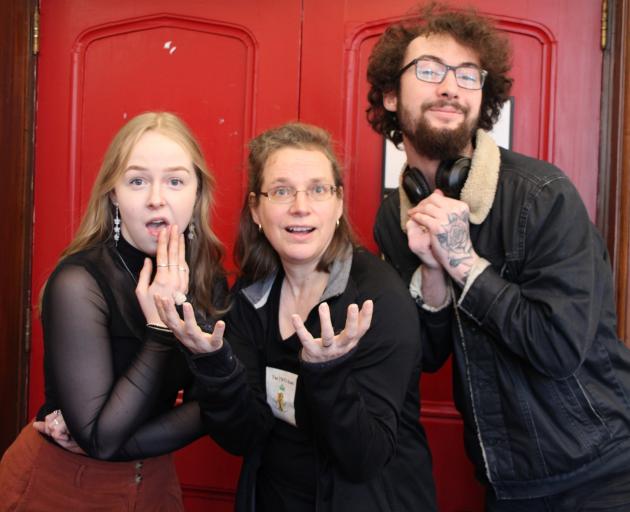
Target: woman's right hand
x: 55, y: 426
x: 171, y: 276
x: 187, y: 331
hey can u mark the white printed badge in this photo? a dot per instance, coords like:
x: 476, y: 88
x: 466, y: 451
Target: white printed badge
x: 281, y: 387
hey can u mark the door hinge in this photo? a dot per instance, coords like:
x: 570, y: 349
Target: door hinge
x: 36, y: 31
x: 604, y: 40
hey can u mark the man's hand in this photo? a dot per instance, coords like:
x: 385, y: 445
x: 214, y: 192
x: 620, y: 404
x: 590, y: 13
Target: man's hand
x: 447, y: 223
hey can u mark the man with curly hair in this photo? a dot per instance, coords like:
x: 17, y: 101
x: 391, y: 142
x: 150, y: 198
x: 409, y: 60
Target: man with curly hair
x: 509, y: 274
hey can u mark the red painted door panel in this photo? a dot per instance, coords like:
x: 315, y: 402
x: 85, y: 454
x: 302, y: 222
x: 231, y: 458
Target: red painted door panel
x: 556, y: 117
x: 101, y: 62
x: 234, y: 68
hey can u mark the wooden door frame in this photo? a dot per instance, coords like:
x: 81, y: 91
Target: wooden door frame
x: 613, y: 212
x: 16, y: 161
x: 17, y: 90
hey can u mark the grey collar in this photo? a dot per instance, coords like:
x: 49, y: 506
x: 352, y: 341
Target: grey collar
x: 257, y: 293
x: 481, y: 184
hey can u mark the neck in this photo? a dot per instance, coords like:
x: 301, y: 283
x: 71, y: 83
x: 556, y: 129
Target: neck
x: 304, y: 281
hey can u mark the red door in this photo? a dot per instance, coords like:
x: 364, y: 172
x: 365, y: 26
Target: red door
x: 555, y: 117
x: 234, y: 68
x: 224, y: 66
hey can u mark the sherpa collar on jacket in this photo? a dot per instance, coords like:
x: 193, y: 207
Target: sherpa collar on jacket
x: 481, y: 185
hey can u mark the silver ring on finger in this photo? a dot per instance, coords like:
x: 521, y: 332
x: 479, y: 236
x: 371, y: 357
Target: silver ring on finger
x: 182, y: 269
x: 162, y: 265
x: 179, y: 298
x: 55, y: 421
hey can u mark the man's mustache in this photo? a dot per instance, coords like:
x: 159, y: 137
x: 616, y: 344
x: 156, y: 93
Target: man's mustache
x: 445, y: 103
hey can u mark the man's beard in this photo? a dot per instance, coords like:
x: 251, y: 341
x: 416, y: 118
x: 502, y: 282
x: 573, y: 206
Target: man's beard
x: 433, y: 143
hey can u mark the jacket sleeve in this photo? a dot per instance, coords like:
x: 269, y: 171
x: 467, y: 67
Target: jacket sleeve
x: 392, y: 242
x: 356, y: 400
x: 231, y: 386
x: 548, y: 313
x: 108, y: 416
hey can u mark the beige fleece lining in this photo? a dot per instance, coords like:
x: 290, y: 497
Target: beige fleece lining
x: 480, y: 187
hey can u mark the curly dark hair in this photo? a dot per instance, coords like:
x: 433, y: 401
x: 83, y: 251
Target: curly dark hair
x: 469, y: 29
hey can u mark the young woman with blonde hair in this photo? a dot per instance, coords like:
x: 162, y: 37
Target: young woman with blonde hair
x: 111, y: 366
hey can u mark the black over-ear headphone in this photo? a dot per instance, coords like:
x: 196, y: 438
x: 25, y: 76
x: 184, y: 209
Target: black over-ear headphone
x: 449, y: 178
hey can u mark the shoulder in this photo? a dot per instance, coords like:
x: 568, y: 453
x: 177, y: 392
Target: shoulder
x: 519, y: 167
x: 374, y: 278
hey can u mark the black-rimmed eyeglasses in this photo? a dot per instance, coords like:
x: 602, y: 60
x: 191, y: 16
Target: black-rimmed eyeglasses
x: 467, y: 76
x: 287, y: 194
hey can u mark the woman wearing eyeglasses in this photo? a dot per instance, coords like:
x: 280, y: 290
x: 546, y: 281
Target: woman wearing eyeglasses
x: 315, y: 382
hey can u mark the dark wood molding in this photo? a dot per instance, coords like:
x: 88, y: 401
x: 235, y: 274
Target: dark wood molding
x: 613, y: 216
x: 16, y: 161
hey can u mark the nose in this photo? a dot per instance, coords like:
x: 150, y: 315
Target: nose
x: 300, y: 202
x: 156, y: 199
x: 448, y: 88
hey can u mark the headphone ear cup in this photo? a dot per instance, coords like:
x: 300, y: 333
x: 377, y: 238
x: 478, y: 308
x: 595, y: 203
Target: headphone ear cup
x: 415, y: 185
x: 451, y: 176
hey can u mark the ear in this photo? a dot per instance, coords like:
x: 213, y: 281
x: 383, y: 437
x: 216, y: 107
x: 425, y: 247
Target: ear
x: 390, y: 101
x: 340, y: 208
x: 253, y: 207
x: 112, y: 198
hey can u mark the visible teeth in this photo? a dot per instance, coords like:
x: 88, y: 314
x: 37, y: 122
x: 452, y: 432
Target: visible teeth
x: 299, y: 229
x: 156, y: 223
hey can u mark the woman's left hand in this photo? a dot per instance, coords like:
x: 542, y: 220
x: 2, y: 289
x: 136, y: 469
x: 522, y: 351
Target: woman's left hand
x: 330, y: 345
x: 55, y: 426
x: 187, y: 331
x: 171, y: 275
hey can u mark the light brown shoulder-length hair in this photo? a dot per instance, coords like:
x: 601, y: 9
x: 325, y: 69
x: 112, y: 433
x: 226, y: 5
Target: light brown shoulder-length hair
x: 469, y: 29
x: 204, y: 251
x: 253, y: 254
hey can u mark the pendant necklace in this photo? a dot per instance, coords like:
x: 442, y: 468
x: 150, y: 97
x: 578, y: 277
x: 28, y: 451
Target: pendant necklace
x: 133, y: 278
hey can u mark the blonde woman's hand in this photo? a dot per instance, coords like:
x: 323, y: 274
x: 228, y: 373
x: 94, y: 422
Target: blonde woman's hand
x: 171, y: 276
x: 187, y: 331
x: 330, y: 345
x: 55, y: 426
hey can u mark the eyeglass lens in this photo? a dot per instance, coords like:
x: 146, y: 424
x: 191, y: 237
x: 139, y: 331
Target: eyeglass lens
x: 466, y: 76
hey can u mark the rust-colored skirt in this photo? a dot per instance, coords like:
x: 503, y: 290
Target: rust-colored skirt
x: 36, y: 475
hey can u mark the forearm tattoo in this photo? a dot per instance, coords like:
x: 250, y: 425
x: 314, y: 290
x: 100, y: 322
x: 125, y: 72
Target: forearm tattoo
x: 456, y: 240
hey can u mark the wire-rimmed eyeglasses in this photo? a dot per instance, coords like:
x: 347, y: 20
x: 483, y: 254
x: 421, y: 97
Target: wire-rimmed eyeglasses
x: 467, y: 76
x: 287, y: 194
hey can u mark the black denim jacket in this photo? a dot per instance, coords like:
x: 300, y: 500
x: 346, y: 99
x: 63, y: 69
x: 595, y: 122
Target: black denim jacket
x: 540, y: 377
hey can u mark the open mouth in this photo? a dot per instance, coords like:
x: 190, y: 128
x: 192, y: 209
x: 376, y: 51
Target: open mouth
x: 156, y: 225
x: 298, y: 230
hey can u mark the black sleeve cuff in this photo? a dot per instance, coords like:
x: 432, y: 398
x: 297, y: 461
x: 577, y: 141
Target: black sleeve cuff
x: 218, y: 364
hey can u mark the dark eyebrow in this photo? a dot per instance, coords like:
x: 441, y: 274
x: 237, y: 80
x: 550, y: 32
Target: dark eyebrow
x: 437, y: 59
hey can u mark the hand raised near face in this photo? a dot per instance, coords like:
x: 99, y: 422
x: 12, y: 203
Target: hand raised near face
x: 187, y: 331
x: 55, y: 426
x: 330, y: 345
x: 171, y: 276
x: 447, y: 222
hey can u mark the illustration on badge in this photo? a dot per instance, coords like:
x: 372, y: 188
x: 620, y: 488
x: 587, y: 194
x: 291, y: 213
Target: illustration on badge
x: 280, y: 398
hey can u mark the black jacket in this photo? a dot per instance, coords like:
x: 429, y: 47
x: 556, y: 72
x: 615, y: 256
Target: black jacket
x: 541, y: 380
x: 370, y: 449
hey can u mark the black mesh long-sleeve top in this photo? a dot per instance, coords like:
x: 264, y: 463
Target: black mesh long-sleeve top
x: 114, y: 379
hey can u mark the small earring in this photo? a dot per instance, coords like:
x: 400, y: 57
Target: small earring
x: 191, y: 230
x: 260, y: 228
x: 337, y: 222
x: 116, y: 225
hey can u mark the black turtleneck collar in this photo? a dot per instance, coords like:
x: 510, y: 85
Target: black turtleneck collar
x: 133, y: 258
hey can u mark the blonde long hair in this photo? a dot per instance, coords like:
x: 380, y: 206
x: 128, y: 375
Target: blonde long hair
x: 205, y: 251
